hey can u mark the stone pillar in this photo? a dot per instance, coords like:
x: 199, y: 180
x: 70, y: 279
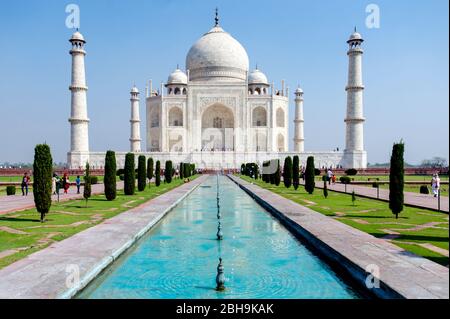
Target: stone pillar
x: 79, y: 137
x: 355, y: 156
x: 135, y: 137
x: 299, y: 138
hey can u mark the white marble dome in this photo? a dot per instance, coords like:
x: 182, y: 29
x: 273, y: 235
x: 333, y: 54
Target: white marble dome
x: 217, y: 56
x: 257, y: 77
x: 355, y: 36
x: 77, y: 36
x: 134, y: 89
x: 177, y: 77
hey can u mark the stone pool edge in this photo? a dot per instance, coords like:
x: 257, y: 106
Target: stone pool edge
x: 402, y: 274
x: 44, y: 274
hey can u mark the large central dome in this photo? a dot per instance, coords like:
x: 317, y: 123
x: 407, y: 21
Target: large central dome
x: 217, y: 56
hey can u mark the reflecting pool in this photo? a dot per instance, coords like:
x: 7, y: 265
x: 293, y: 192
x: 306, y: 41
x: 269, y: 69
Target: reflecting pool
x: 178, y: 258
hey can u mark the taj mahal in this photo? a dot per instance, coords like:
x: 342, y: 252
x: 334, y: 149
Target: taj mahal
x: 217, y: 113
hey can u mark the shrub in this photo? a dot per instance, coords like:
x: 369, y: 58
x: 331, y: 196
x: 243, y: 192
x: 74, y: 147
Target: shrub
x: 243, y: 172
x: 277, y: 174
x: 353, y: 198
x: 120, y: 171
x: 109, y: 179
x: 424, y: 189
x: 375, y: 185
x: 309, y: 175
x: 396, y: 179
x: 10, y: 190
x: 351, y: 172
x: 94, y: 180
x: 129, y: 176
x: 256, y: 170
x: 142, y: 173
x: 316, y: 172
x: 181, y: 171
x: 149, y: 170
x: 87, y: 184
x: 345, y: 180
x: 296, y: 172
x: 287, y: 172
x: 42, y: 176
x: 325, y: 189
x: 122, y: 177
x: 168, y: 172
x: 158, y: 173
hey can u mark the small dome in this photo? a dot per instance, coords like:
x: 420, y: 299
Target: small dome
x: 177, y: 77
x: 77, y: 36
x: 257, y: 77
x: 299, y: 91
x: 217, y: 55
x: 134, y: 89
x: 355, y: 36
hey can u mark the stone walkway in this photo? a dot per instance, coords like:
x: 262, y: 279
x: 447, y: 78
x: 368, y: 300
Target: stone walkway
x: 413, y: 199
x: 18, y: 202
x: 401, y: 274
x: 48, y: 273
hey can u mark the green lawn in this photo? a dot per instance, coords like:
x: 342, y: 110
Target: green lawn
x: 374, y: 217
x: 25, y: 234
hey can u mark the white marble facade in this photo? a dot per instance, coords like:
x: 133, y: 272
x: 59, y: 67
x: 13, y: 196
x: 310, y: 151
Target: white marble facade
x: 219, y: 114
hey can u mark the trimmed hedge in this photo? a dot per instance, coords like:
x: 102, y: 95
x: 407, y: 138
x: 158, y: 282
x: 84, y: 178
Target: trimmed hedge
x: 345, y: 180
x: 351, y: 172
x: 424, y: 189
x: 10, y: 190
x: 94, y: 180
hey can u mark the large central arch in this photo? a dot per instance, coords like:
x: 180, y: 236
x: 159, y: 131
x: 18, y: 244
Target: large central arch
x: 218, y: 128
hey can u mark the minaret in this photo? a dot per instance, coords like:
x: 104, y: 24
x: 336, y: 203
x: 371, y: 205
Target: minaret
x: 135, y: 138
x: 355, y: 156
x: 299, y: 138
x: 79, y: 138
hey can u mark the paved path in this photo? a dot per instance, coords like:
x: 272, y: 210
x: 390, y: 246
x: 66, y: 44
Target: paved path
x: 413, y: 199
x: 47, y: 274
x: 402, y: 274
x: 15, y: 203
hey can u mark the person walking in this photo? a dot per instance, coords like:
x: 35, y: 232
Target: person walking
x: 329, y: 176
x: 435, y: 184
x: 78, y: 182
x: 25, y: 183
x: 54, y: 184
x: 66, y: 183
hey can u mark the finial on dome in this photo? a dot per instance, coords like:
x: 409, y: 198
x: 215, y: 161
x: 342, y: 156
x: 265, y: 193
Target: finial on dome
x: 256, y: 66
x: 178, y: 66
x: 355, y: 28
x: 217, y: 17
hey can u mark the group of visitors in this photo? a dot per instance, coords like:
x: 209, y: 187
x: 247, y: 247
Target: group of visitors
x: 331, y: 178
x: 64, y: 183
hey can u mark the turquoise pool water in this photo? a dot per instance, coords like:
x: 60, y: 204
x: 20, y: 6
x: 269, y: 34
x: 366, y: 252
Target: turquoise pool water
x: 178, y: 258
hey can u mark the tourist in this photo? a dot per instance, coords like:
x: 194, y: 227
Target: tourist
x: 78, y: 182
x: 54, y: 184
x: 65, y: 182
x: 333, y: 179
x: 25, y: 183
x: 435, y: 184
x: 329, y: 176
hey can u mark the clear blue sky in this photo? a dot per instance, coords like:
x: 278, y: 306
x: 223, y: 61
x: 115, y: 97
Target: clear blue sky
x: 406, y: 65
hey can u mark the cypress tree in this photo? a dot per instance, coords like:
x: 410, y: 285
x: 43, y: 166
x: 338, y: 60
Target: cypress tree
x: 309, y: 175
x: 272, y: 175
x: 158, y: 173
x: 109, y: 179
x: 87, y: 184
x: 149, y: 170
x: 396, y: 179
x: 42, y: 179
x: 287, y: 172
x: 181, y: 171
x: 142, y: 178
x: 277, y: 177
x: 296, y: 172
x: 168, y: 172
x: 353, y: 197
x: 256, y: 168
x: 129, y: 175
